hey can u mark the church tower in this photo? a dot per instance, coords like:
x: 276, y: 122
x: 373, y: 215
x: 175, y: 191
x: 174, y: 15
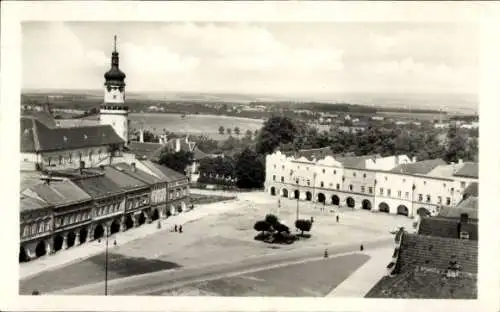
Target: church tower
x: 113, y: 111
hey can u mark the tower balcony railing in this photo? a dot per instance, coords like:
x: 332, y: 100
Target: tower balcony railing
x: 114, y: 107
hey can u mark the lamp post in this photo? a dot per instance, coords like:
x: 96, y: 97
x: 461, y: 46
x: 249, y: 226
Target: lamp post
x: 106, y: 264
x: 297, y: 217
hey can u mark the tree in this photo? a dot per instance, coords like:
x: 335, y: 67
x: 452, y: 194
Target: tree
x: 303, y: 225
x: 262, y: 226
x: 276, y: 130
x: 271, y: 219
x: 456, y: 146
x: 280, y: 227
x: 221, y: 130
x: 237, y: 130
x: 177, y: 161
x: 250, y: 170
x: 248, y: 135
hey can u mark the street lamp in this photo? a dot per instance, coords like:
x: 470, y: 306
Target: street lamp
x: 106, y: 264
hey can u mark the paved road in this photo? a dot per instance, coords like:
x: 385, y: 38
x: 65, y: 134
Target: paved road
x: 161, y: 281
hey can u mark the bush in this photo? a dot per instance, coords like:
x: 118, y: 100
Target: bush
x: 280, y: 227
x: 262, y: 226
x: 303, y: 225
x: 271, y: 219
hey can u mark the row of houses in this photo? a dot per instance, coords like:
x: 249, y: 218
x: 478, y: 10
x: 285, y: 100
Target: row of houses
x: 68, y: 207
x: 393, y: 184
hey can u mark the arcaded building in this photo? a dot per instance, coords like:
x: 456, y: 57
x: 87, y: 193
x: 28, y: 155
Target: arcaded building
x: 392, y: 184
x: 82, y: 183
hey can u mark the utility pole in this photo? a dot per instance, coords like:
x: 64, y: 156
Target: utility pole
x: 106, y: 264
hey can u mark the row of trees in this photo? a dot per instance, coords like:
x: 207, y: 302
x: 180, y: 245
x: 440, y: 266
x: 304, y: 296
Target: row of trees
x: 428, y: 143
x: 273, y: 231
x: 237, y: 131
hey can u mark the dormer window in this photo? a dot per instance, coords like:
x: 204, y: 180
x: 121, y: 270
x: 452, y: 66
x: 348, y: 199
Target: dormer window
x: 464, y: 235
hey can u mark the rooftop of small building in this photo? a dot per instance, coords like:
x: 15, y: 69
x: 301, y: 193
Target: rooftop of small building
x: 29, y: 203
x: 446, y: 225
x: 419, y: 167
x: 468, y: 170
x: 470, y: 206
x: 136, y: 173
x: 356, y: 162
x: 472, y: 189
x: 164, y: 172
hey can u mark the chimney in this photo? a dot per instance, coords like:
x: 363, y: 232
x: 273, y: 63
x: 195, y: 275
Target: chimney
x: 141, y: 135
x: 133, y: 167
x: 464, y: 218
x: 177, y: 145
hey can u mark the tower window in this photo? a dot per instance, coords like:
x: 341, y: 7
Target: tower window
x: 114, y: 96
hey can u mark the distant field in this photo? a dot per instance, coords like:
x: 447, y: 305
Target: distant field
x: 415, y: 115
x: 194, y: 124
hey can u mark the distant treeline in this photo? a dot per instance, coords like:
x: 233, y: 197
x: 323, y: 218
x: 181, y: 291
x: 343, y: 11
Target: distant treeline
x: 342, y: 107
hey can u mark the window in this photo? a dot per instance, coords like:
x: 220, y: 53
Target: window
x: 364, y: 175
x: 370, y: 190
x: 283, y: 167
x: 464, y: 235
x: 33, y: 229
x: 404, y: 180
x: 399, y: 194
x: 323, y: 170
x: 334, y: 171
x: 60, y: 159
x: 362, y: 189
x: 389, y: 192
x: 448, y: 201
x: 308, y: 182
x: 274, y: 166
x: 41, y: 227
x: 26, y: 231
x: 462, y: 184
x: 48, y: 160
x: 322, y: 184
x: 385, y: 178
x: 354, y: 174
x: 297, y: 181
x: 47, y: 225
x: 440, y: 199
x: 282, y: 179
x: 381, y: 191
x: 407, y: 195
x: 425, y: 182
x: 330, y: 184
x: 350, y: 187
x: 444, y: 185
x: 307, y: 168
x: 428, y: 198
x: 338, y: 186
x: 274, y: 178
x: 420, y: 197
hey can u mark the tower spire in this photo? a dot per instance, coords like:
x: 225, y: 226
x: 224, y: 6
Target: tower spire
x: 115, y: 45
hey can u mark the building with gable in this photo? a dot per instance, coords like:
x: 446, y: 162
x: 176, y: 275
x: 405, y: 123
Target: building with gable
x: 82, y: 183
x: 391, y: 184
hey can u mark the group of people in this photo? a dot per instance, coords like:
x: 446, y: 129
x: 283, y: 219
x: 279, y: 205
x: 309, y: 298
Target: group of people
x: 178, y: 228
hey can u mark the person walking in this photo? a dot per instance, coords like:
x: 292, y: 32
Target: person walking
x: 337, y: 217
x: 180, y: 228
x: 175, y: 228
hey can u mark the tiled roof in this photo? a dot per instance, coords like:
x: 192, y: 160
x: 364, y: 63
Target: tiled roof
x: 123, y: 180
x: 310, y: 154
x: 472, y: 189
x: 443, y: 171
x: 356, y: 162
x: 137, y: 173
x: 35, y: 137
x: 468, y: 170
x: 98, y: 186
x: 469, y: 206
x: 164, y: 172
x: 418, y: 284
x: 144, y: 149
x: 419, y: 167
x: 43, y: 116
x: 29, y: 179
x: 436, y: 252
x: 29, y: 203
x: 446, y: 227
x: 60, y: 193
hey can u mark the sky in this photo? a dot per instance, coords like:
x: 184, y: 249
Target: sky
x: 265, y: 58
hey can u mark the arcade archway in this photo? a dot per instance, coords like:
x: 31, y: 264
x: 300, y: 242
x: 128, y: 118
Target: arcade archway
x: 350, y: 202
x: 129, y: 223
x: 71, y: 239
x: 156, y: 215
x: 115, y: 227
x: 284, y: 192
x: 335, y: 200
x: 83, y: 235
x: 321, y: 198
x: 309, y: 196
x: 366, y: 204
x: 296, y: 194
x: 98, y: 232
x: 41, y: 249
x: 383, y: 207
x: 141, y: 219
x: 273, y: 191
x: 58, y: 242
x: 23, y: 256
x: 402, y: 210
